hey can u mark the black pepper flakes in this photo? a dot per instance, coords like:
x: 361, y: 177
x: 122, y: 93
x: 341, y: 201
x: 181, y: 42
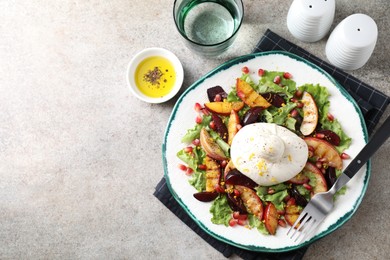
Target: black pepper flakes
x: 153, y: 76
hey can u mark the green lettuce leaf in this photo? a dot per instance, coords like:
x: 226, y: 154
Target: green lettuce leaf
x: 266, y: 84
x: 220, y: 210
x: 198, y: 181
x: 224, y: 146
x: 321, y: 96
x: 194, y: 132
x: 254, y: 222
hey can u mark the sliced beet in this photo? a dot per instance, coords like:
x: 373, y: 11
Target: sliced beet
x: 300, y: 199
x: 273, y: 98
x: 220, y: 127
x: 214, y: 91
x: 206, y: 196
x: 236, y: 203
x: 330, y: 176
x: 252, y: 116
x: 235, y: 177
x: 330, y: 136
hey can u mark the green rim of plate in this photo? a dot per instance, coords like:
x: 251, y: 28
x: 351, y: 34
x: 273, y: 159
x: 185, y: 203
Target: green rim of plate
x: 225, y: 66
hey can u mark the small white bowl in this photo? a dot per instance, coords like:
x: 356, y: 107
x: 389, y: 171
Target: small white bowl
x: 150, y: 52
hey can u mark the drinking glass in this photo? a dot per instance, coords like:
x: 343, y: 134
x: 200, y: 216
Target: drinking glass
x: 209, y: 27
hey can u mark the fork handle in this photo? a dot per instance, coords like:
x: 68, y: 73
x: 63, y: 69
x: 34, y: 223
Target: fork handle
x: 369, y: 149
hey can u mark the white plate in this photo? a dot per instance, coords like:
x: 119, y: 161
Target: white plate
x: 342, y: 106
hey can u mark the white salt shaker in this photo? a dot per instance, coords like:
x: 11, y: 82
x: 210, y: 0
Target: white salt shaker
x: 310, y: 20
x: 352, y: 42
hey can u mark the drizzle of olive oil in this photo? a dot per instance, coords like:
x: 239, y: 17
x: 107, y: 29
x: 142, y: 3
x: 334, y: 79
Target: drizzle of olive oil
x: 155, y: 76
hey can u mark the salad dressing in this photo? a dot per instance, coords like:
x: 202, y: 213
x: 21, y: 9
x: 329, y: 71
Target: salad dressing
x: 155, y: 76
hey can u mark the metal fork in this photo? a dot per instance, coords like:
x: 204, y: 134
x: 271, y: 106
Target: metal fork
x: 322, y: 203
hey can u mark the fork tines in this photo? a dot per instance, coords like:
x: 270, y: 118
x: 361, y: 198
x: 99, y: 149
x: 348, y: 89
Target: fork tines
x: 302, y: 227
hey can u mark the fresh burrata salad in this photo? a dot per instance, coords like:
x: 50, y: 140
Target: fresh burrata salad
x: 259, y: 152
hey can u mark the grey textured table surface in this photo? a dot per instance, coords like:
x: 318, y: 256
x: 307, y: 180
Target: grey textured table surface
x: 80, y: 156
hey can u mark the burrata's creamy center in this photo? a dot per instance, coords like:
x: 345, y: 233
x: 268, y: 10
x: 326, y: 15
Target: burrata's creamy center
x: 268, y: 153
x: 270, y: 147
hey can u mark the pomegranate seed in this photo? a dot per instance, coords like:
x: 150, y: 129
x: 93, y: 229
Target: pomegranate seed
x: 282, y: 223
x: 319, y: 135
x: 300, y: 104
x: 330, y: 117
x: 287, y: 75
x: 197, y: 107
x: 188, y: 149
x: 345, y: 156
x: 245, y: 70
x: 212, y: 125
x: 236, y: 192
x: 261, y: 72
x: 224, y: 163
x: 287, y: 198
x: 196, y: 142
x: 236, y: 214
x: 241, y: 95
x: 182, y: 167
x: 219, y: 189
x: 233, y: 222
x: 277, y: 79
x: 294, y: 100
x: 294, y: 113
x: 243, y: 216
x: 202, y: 167
x: 298, y: 93
x: 241, y: 222
x: 205, y: 111
x: 218, y: 98
x: 307, y: 186
x: 198, y: 119
x: 189, y: 171
x: 291, y: 201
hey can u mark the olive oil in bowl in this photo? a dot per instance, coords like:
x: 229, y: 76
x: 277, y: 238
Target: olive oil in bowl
x: 155, y: 76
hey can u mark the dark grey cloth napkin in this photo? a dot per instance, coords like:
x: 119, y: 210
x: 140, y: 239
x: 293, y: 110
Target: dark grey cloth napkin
x: 371, y: 102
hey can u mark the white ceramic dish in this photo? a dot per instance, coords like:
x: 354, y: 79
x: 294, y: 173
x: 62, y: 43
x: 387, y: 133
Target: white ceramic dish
x: 150, y: 52
x: 342, y: 106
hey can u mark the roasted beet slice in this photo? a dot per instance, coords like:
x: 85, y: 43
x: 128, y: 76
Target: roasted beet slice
x: 330, y: 136
x: 252, y: 115
x: 206, y: 196
x: 235, y: 177
x: 220, y: 127
x: 214, y: 91
x: 330, y: 176
x: 236, y: 203
x: 299, y: 199
x: 273, y: 98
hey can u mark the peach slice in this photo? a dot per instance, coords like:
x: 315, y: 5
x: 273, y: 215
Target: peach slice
x: 251, y: 201
x: 310, y: 114
x: 247, y: 94
x: 271, y: 217
x: 325, y: 150
x: 213, y: 173
x: 211, y: 148
x: 320, y: 182
x: 224, y: 108
x: 233, y: 123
